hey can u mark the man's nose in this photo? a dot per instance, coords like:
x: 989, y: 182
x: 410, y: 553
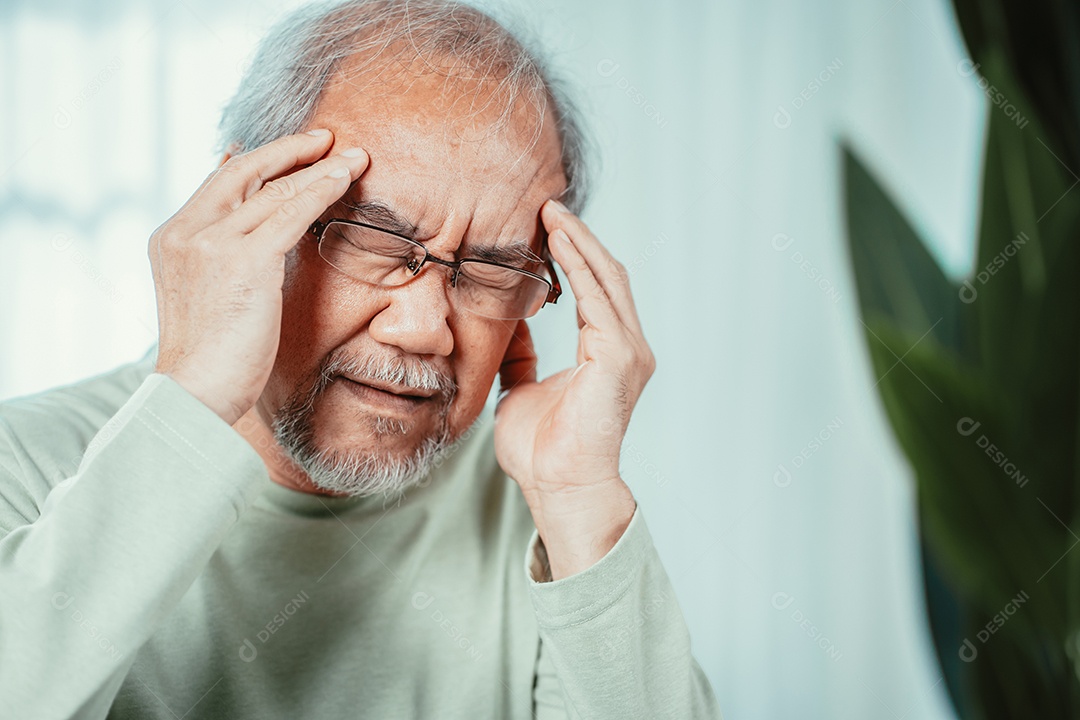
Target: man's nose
x: 417, y: 318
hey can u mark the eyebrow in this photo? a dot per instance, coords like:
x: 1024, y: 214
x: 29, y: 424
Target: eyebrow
x: 386, y: 218
x: 512, y: 253
x: 381, y: 215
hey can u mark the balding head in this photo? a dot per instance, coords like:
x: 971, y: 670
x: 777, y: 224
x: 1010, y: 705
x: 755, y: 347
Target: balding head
x: 375, y: 45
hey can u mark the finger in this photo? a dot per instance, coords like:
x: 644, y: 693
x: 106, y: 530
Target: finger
x: 244, y: 174
x: 241, y: 176
x: 288, y: 223
x: 234, y: 149
x: 593, y: 304
x: 268, y: 199
x: 609, y: 272
x: 519, y: 362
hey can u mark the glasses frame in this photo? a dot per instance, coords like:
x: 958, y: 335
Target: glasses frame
x: 318, y: 228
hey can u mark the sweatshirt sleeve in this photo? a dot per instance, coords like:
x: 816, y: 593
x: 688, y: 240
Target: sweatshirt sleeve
x: 613, y: 642
x: 114, y: 547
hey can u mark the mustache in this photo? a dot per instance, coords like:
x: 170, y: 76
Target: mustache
x: 408, y: 372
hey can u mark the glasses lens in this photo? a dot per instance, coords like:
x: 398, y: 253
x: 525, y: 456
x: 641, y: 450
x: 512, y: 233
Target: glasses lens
x: 499, y: 292
x: 367, y: 254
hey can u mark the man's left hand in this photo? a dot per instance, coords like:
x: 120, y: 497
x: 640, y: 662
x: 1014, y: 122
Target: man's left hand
x: 560, y: 439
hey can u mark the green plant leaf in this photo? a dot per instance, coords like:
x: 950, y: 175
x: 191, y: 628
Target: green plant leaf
x: 1028, y: 300
x: 985, y: 525
x: 981, y: 515
x: 999, y: 505
x: 1040, y: 43
x: 896, y: 276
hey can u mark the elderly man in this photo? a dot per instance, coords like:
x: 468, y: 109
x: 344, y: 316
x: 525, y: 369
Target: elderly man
x: 296, y: 505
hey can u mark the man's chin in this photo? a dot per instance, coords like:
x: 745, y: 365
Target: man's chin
x: 347, y: 448
x: 379, y: 436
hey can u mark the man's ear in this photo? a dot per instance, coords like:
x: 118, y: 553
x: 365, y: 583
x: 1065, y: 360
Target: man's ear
x: 519, y: 361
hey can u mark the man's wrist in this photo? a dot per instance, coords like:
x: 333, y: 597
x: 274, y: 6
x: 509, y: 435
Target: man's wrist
x: 579, y: 527
x: 227, y: 411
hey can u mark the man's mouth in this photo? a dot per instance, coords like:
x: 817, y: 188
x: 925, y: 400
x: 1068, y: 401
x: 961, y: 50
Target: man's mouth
x: 385, y: 396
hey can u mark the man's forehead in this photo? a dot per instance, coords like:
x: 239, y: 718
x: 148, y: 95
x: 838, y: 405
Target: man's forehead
x: 426, y: 165
x: 402, y: 134
x: 418, y: 115
x: 500, y: 240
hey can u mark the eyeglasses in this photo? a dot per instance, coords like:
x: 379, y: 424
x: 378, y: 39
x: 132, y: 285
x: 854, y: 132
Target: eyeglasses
x: 380, y: 257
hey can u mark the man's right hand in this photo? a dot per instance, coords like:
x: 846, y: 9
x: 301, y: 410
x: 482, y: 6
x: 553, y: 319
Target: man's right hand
x: 219, y: 265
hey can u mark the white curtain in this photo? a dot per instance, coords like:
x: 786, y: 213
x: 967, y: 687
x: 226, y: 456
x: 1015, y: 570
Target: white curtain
x: 760, y: 453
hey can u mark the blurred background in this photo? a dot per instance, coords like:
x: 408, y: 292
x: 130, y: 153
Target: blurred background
x: 760, y: 452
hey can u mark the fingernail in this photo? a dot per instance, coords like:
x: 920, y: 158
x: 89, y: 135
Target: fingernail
x: 559, y: 206
x: 338, y: 172
x: 561, y: 236
x: 353, y: 152
x: 318, y: 132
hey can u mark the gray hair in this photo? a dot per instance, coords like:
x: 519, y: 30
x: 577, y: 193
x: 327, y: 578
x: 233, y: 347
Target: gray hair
x: 300, y: 55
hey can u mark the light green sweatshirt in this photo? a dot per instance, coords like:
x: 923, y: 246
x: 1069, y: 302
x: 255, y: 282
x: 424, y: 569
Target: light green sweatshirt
x: 149, y: 568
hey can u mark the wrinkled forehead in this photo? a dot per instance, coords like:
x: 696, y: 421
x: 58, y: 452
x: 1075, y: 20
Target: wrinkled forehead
x: 443, y: 143
x: 503, y: 120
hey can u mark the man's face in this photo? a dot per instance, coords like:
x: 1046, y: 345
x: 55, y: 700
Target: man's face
x: 443, y: 166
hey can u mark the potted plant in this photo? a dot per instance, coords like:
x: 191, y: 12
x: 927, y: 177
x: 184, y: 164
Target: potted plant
x: 980, y: 376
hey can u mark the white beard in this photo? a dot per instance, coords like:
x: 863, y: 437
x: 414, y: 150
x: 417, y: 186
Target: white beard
x: 363, y: 472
